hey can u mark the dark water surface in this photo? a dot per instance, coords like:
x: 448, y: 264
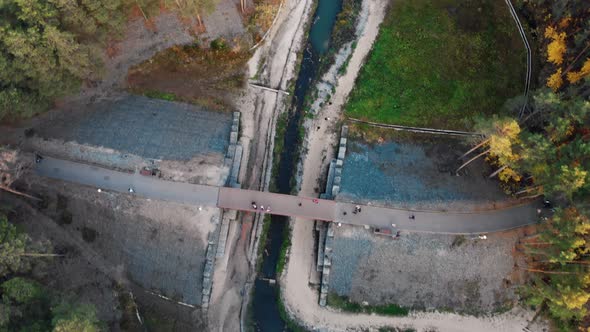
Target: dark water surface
x: 265, y: 310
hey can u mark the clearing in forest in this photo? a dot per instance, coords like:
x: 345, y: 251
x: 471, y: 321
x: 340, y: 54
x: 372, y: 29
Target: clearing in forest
x: 440, y: 63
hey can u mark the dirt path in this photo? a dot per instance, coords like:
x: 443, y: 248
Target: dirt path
x: 300, y: 299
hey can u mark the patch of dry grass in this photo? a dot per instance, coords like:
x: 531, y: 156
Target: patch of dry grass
x: 208, y: 76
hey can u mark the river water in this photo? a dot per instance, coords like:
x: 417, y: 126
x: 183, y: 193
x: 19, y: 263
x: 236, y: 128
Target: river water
x: 265, y: 310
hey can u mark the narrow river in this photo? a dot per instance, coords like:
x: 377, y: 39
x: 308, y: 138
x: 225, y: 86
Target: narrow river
x: 265, y: 310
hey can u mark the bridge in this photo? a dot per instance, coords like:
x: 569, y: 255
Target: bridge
x: 288, y: 205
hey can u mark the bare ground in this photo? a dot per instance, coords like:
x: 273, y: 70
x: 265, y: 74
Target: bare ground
x: 93, y: 278
x: 426, y: 271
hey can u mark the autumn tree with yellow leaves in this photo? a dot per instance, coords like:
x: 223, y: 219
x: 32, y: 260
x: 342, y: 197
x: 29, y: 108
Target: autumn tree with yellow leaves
x: 556, y: 48
x: 557, y: 55
x: 500, y: 139
x: 575, y: 76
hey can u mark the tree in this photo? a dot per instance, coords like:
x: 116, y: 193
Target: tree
x: 12, y: 248
x: 562, y: 246
x: 501, y: 137
x: 557, y: 158
x: 26, y: 306
x: 39, y: 60
x: 26, y: 303
x: 48, y: 48
x: 555, y: 81
x: 73, y: 317
x: 17, y: 249
x: 22, y: 291
x: 556, y: 48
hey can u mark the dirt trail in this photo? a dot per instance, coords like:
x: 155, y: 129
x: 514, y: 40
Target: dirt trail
x: 300, y: 299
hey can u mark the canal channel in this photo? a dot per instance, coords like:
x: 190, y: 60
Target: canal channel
x: 265, y: 306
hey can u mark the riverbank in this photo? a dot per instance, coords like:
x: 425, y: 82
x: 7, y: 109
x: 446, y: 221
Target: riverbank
x: 273, y: 64
x: 301, y: 300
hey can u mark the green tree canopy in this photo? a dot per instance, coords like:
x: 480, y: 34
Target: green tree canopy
x: 558, y: 157
x: 39, y: 59
x: 70, y: 317
x: 560, y: 253
x: 12, y: 248
x: 26, y: 305
x: 21, y: 290
x: 49, y: 47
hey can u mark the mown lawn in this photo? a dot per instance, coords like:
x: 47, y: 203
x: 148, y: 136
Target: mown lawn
x: 439, y: 63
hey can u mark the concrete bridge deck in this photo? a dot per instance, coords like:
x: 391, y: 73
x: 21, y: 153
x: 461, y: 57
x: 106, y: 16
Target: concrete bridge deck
x: 287, y: 205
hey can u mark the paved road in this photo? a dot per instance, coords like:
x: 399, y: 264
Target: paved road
x: 144, y: 186
x: 310, y: 208
x: 439, y: 222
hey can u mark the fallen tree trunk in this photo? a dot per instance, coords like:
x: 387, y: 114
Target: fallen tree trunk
x: 471, y: 160
x: 16, y: 192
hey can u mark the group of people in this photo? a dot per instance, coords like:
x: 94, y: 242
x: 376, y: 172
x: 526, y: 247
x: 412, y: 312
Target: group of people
x: 357, y: 209
x: 261, y: 207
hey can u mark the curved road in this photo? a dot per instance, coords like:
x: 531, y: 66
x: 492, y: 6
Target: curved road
x: 303, y: 207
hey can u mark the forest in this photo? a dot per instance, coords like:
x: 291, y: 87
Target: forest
x: 546, y: 153
x: 49, y: 48
x: 26, y: 304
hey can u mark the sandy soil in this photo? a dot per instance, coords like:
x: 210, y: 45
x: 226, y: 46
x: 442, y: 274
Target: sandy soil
x: 301, y: 300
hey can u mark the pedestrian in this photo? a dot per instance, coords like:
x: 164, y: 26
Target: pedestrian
x: 254, y: 205
x: 261, y: 207
x: 268, y: 208
x: 393, y: 225
x: 315, y: 200
x: 344, y: 213
x: 299, y: 204
x: 131, y: 190
x: 412, y: 217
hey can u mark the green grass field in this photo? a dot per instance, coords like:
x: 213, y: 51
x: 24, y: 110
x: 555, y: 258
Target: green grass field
x: 439, y: 63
